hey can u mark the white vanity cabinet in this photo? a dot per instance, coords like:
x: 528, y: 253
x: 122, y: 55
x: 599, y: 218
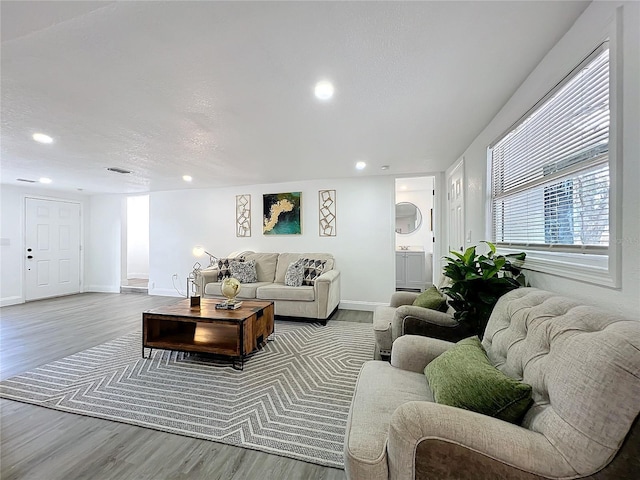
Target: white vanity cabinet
x: 410, y: 269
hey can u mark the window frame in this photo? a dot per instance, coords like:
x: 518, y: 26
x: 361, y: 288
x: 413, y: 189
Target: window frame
x: 584, y: 263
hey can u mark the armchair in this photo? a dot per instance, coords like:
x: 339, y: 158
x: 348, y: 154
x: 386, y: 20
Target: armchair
x: 582, y: 364
x: 401, y: 317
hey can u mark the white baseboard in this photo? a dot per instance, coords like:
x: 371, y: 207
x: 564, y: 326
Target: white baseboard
x: 15, y: 300
x: 164, y: 292
x: 102, y: 288
x: 359, y: 305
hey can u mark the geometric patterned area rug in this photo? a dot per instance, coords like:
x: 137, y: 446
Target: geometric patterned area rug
x: 292, y: 398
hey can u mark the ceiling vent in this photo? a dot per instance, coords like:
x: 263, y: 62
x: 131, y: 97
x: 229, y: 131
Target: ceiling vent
x: 118, y: 170
x: 25, y: 180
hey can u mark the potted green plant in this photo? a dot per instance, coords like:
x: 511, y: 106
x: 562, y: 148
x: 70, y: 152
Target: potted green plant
x: 478, y: 281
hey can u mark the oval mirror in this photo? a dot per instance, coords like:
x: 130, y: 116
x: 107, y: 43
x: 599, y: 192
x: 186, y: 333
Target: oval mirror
x: 408, y: 217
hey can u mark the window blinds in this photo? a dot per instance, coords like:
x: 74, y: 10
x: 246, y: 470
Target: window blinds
x: 550, y: 173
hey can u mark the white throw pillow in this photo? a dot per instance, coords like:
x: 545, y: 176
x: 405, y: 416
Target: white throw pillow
x: 244, y: 272
x: 295, y: 274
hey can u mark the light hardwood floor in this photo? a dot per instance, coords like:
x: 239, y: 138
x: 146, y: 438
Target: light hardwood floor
x: 42, y: 444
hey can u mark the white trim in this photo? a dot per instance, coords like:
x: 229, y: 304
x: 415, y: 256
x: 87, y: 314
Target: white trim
x: 590, y: 268
x: 360, y: 305
x: 616, y: 107
x: 165, y: 292
x: 439, y: 219
x: 15, y: 300
x: 604, y: 270
x: 102, y: 289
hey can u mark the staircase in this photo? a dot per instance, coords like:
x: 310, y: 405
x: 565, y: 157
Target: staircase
x: 135, y: 285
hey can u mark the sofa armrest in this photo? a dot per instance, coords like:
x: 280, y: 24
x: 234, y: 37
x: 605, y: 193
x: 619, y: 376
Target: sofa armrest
x: 402, y: 298
x: 432, y: 323
x: 413, y: 352
x: 483, y: 446
x: 204, y: 276
x: 327, y: 292
x: 426, y: 315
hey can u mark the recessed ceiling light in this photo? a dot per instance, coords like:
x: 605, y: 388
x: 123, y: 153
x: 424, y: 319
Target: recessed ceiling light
x: 361, y: 165
x: 385, y: 167
x: 187, y: 178
x: 324, y: 90
x: 42, y: 138
x: 45, y: 180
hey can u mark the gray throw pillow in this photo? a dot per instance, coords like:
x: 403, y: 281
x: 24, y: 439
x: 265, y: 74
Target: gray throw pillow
x: 244, y: 272
x: 295, y: 274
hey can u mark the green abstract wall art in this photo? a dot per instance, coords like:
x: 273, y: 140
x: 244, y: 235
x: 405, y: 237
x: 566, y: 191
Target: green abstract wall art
x: 281, y: 213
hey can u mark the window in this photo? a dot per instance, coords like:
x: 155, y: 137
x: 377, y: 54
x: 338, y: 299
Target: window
x: 550, y: 177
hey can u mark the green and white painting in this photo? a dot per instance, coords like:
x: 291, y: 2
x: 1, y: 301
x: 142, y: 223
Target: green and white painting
x: 281, y: 213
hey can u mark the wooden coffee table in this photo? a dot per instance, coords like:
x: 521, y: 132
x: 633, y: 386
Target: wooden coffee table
x: 230, y: 333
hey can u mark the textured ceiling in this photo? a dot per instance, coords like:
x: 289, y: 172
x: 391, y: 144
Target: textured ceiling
x: 223, y: 91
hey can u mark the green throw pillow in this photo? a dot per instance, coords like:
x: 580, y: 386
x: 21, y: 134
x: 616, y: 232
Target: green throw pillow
x: 431, y: 298
x: 463, y: 377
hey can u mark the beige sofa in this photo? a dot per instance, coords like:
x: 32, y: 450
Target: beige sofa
x: 318, y: 301
x: 584, y: 368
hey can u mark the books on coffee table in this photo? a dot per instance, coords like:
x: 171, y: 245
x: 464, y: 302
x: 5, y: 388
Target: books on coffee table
x: 228, y: 306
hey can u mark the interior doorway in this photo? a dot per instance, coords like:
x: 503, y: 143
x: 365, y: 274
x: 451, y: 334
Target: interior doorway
x: 136, y: 251
x: 414, y: 226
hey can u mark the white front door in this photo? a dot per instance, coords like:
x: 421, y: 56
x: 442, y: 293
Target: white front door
x: 52, y: 248
x: 455, y: 197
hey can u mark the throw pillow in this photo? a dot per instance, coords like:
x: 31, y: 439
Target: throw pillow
x: 224, y: 264
x: 312, y: 270
x: 295, y: 274
x: 244, y: 272
x: 463, y: 377
x: 431, y: 298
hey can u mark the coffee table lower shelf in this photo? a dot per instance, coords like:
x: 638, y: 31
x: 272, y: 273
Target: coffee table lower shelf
x: 229, y: 334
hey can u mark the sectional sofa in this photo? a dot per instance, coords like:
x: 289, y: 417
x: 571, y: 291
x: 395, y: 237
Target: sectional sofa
x: 317, y: 301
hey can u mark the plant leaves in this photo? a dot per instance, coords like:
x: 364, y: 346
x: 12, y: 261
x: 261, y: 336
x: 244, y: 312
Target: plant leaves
x: 470, y: 255
x: 492, y: 247
x: 479, y: 280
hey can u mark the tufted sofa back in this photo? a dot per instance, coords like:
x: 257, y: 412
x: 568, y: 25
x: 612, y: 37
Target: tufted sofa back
x: 583, y: 365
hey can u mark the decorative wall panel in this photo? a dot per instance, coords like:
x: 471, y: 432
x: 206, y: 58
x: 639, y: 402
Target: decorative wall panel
x: 243, y: 215
x: 327, y: 212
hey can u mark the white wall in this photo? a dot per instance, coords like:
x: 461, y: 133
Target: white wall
x: 363, y: 247
x: 12, y: 254
x: 584, y: 36
x: 105, y: 243
x: 138, y: 237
